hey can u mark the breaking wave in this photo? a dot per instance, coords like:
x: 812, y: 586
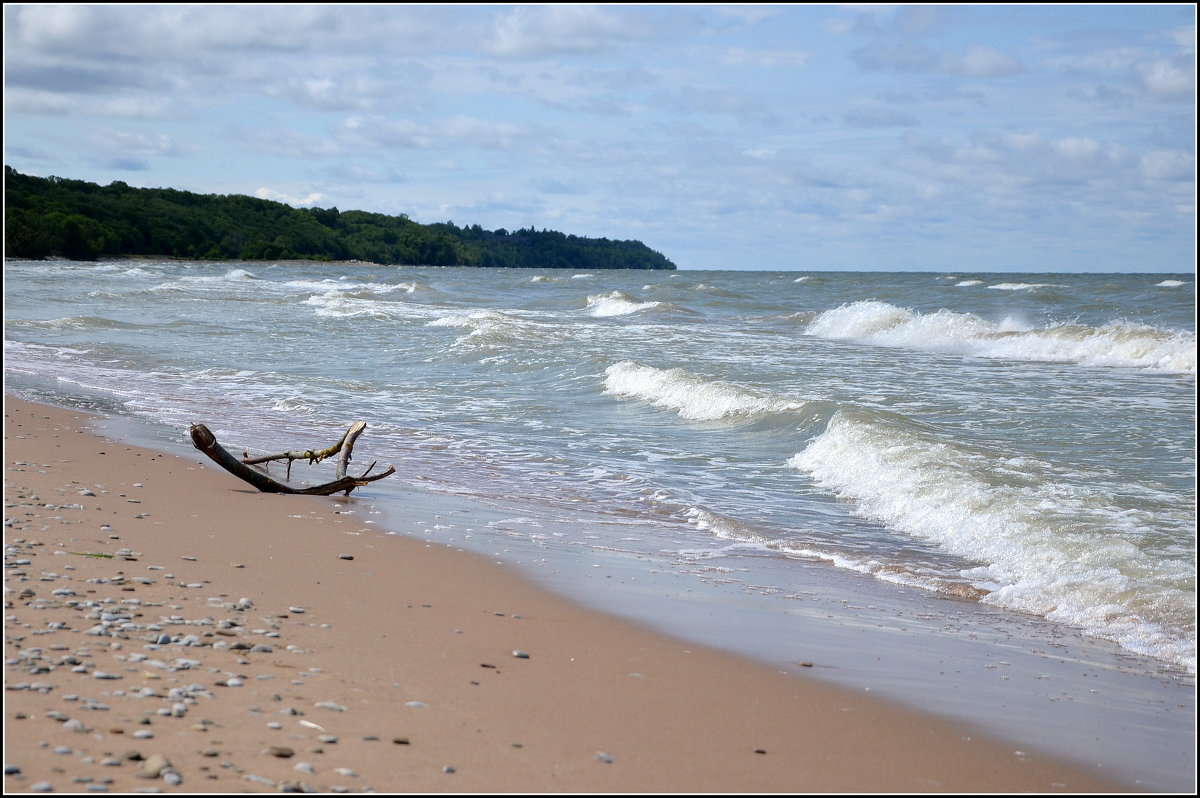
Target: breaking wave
x: 616, y: 304
x: 692, y: 397
x: 1116, y: 344
x: 1047, y: 547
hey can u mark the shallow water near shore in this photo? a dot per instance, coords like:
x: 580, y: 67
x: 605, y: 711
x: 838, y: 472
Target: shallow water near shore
x: 973, y: 494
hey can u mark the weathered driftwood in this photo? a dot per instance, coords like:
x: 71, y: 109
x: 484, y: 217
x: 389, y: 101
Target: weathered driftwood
x: 205, y: 441
x: 345, y: 445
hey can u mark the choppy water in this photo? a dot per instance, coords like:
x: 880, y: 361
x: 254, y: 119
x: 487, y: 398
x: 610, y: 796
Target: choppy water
x: 1026, y: 441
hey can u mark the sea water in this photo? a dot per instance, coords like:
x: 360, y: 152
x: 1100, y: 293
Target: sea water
x: 1019, y: 444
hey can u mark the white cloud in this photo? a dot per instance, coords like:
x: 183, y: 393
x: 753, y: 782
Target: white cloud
x: 1168, y: 165
x: 1170, y: 79
x: 269, y: 194
x: 534, y: 31
x: 981, y: 61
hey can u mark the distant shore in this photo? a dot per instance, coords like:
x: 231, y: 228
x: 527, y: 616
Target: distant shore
x: 169, y: 627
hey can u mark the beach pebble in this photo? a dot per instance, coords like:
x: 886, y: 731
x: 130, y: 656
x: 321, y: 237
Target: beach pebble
x: 330, y: 705
x: 346, y: 556
x: 281, y: 751
x: 42, y: 786
x: 605, y: 758
x: 153, y: 767
x: 520, y: 654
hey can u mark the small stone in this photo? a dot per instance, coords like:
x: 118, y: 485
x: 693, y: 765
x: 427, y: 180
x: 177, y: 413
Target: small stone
x: 346, y: 556
x: 448, y: 768
x: 281, y: 751
x: 153, y: 767
x: 520, y: 654
x: 605, y: 758
x: 400, y: 740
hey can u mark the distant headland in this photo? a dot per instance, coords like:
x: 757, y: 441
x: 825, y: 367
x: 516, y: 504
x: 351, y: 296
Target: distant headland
x: 57, y: 217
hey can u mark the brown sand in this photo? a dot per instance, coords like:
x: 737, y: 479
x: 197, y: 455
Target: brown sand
x: 393, y: 671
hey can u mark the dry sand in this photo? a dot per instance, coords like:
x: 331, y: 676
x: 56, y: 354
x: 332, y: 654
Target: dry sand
x: 232, y: 641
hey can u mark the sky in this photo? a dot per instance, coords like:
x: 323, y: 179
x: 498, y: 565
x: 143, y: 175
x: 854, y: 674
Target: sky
x: 985, y: 138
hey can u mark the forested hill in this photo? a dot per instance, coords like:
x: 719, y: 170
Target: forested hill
x: 53, y: 216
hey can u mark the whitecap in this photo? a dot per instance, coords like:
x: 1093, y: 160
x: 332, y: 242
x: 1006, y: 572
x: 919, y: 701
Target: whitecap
x: 692, y: 397
x: 1046, y: 546
x: 616, y: 304
x: 1115, y: 344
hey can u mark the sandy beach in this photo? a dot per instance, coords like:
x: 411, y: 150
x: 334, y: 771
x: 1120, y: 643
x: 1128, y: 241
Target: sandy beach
x: 168, y: 628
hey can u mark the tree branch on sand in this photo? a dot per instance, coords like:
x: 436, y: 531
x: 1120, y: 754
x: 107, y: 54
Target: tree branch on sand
x: 205, y: 441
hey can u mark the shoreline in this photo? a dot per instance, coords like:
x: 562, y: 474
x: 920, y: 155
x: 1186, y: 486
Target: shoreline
x: 391, y: 662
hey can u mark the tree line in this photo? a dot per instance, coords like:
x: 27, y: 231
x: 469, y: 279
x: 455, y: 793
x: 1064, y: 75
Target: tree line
x: 58, y: 217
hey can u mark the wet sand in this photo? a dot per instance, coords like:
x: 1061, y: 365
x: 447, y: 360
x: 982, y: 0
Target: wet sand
x: 169, y: 627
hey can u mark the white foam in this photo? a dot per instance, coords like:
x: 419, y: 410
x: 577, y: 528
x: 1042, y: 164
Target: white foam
x: 616, y: 304
x: 1023, y: 286
x: 327, y: 285
x: 1046, y: 546
x: 337, y: 304
x: 1170, y: 284
x: 691, y: 396
x: 1117, y: 343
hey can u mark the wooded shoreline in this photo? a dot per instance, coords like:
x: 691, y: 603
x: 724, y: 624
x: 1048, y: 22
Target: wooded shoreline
x: 77, y: 220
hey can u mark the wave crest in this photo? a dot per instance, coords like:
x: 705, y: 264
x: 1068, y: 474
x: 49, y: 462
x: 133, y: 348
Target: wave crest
x: 1116, y: 344
x: 693, y: 397
x: 617, y: 303
x: 1047, y: 547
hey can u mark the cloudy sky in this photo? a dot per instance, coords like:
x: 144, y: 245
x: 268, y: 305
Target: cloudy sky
x: 939, y: 138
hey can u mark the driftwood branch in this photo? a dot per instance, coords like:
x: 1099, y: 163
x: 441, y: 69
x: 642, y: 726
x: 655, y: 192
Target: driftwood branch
x: 205, y: 441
